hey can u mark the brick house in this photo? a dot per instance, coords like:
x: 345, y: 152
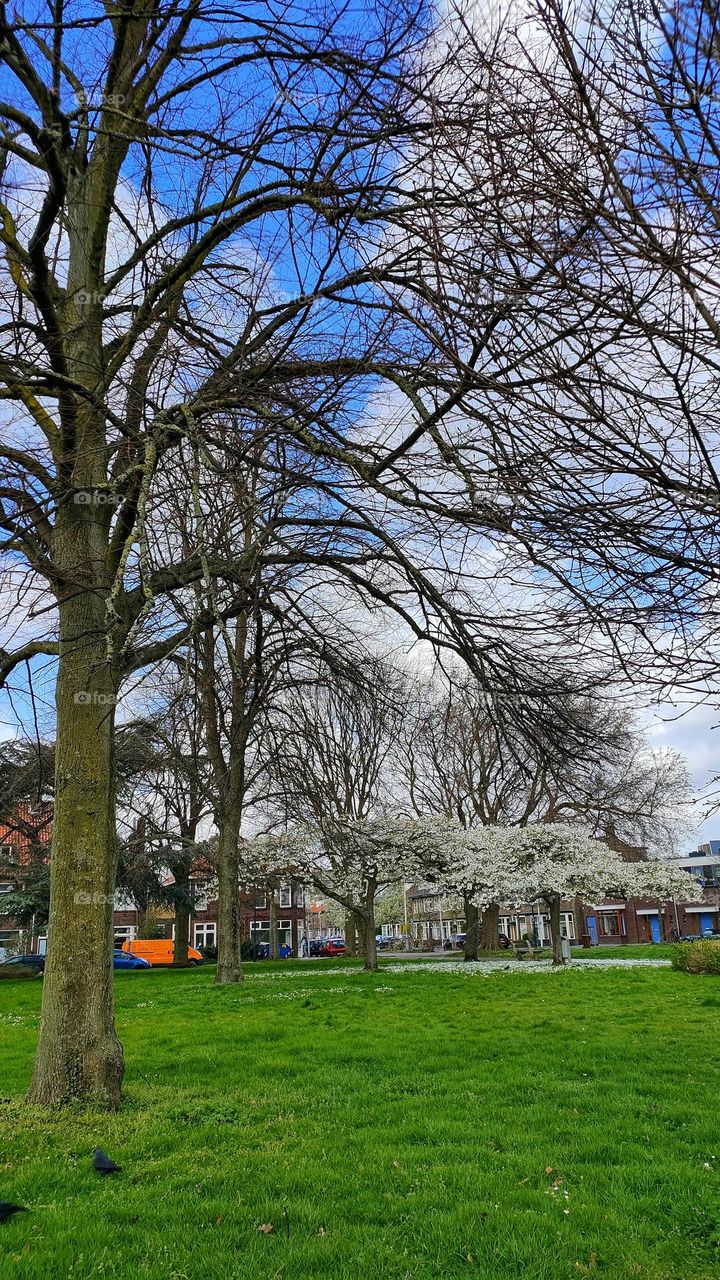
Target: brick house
x: 24, y: 845
x: 436, y: 917
x: 641, y: 920
x: 292, y: 913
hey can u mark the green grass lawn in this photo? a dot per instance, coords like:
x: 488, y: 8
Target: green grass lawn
x: 416, y: 1126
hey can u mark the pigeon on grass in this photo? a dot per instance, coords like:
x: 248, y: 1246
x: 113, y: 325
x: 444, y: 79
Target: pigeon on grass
x: 102, y: 1163
x: 7, y: 1210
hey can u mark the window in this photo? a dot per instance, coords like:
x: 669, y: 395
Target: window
x: 259, y: 897
x: 285, y: 895
x: 8, y: 855
x: 260, y: 930
x: 126, y: 932
x: 300, y: 895
x: 205, y: 934
x: 567, y: 925
x: 6, y: 886
x: 285, y: 933
x: 612, y: 924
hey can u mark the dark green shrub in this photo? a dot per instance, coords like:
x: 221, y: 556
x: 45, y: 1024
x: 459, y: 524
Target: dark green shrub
x: 702, y: 956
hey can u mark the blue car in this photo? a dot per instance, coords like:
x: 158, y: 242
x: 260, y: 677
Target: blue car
x: 124, y: 960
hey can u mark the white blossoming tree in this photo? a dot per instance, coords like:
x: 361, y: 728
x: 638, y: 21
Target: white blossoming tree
x: 351, y: 861
x: 484, y: 870
x: 553, y: 861
x: 556, y: 861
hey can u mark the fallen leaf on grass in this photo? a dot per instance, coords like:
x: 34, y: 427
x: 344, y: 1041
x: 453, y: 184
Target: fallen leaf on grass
x: 267, y: 1228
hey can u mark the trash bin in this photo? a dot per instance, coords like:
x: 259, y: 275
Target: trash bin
x: 565, y: 948
x: 586, y: 940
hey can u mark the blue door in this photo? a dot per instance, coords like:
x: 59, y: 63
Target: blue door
x: 592, y: 929
x: 706, y: 922
x: 655, y: 928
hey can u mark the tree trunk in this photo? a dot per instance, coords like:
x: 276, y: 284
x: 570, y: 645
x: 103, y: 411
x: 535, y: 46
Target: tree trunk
x: 350, y: 935
x: 361, y: 928
x: 182, y: 918
x: 490, y: 928
x: 273, y: 922
x: 554, y: 905
x: 146, y: 923
x: 79, y: 1055
x: 472, y: 921
x: 229, y: 968
x: 371, y: 957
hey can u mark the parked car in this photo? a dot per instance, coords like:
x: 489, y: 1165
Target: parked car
x: 28, y: 961
x: 332, y: 947
x: 124, y: 960
x: 158, y: 951
x: 261, y: 950
x: 316, y: 945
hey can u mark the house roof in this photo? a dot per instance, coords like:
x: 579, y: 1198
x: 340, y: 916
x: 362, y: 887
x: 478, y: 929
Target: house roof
x: 28, y: 826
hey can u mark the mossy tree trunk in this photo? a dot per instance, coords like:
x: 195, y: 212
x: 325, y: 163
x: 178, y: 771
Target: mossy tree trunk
x: 490, y: 928
x: 79, y: 1056
x: 350, y: 934
x: 368, y: 920
x: 229, y: 967
x: 361, y: 930
x: 472, y: 926
x: 273, y: 921
x: 182, y: 916
x: 554, y: 904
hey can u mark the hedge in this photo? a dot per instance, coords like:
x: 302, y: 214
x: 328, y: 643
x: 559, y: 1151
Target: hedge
x: 702, y: 956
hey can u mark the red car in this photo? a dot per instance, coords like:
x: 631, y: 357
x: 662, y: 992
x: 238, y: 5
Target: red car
x: 333, y: 947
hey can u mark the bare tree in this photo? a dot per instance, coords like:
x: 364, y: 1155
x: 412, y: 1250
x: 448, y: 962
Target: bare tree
x: 167, y: 793
x: 153, y: 180
x: 332, y: 769
x: 569, y: 265
x: 191, y: 215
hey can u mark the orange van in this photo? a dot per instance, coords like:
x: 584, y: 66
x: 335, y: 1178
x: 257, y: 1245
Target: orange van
x: 158, y: 951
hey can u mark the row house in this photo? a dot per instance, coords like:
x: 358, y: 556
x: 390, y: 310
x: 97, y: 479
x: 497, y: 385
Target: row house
x: 641, y: 920
x: 292, y: 912
x: 436, y: 918
x: 24, y: 846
